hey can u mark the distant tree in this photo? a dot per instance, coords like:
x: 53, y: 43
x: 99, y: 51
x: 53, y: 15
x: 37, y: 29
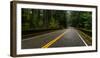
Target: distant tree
x: 81, y: 19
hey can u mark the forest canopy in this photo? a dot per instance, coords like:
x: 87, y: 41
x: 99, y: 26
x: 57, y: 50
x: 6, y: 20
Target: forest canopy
x: 42, y: 19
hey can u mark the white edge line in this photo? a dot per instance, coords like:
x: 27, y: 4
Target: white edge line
x: 39, y: 36
x: 82, y: 39
x: 36, y: 36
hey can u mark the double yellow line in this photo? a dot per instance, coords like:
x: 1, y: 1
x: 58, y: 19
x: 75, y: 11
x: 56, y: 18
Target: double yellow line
x: 53, y: 41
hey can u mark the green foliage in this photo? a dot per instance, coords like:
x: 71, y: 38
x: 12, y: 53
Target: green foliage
x: 81, y: 19
x: 25, y: 26
x: 37, y: 19
x: 53, y: 23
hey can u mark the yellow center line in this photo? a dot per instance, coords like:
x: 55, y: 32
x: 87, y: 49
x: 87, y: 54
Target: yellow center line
x: 53, y: 41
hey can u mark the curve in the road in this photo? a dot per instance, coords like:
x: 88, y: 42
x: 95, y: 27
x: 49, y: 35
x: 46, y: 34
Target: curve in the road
x: 53, y: 41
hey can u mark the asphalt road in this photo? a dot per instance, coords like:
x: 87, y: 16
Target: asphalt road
x: 60, y: 38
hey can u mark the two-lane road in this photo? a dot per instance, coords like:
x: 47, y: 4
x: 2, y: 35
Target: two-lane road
x: 61, y: 38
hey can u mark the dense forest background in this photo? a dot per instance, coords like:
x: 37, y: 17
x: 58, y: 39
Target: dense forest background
x: 39, y: 20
